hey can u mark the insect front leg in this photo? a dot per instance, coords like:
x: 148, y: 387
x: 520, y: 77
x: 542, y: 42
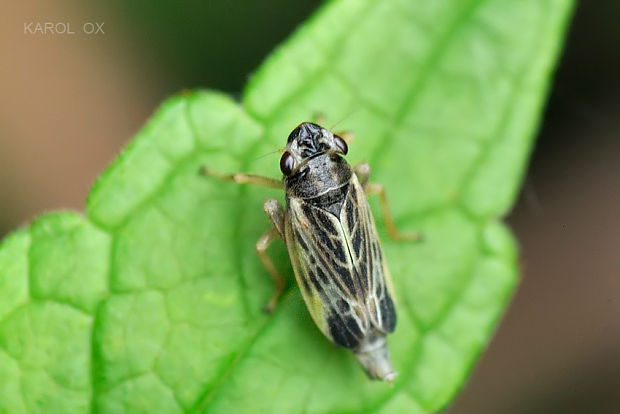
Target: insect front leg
x: 276, y: 214
x: 362, y: 171
x: 242, y: 178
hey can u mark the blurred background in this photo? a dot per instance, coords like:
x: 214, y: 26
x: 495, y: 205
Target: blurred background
x: 69, y: 103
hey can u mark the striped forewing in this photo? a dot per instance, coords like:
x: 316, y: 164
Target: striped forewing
x: 339, y: 266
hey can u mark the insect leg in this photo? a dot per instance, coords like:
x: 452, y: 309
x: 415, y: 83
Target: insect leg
x: 319, y: 118
x: 362, y: 171
x: 242, y: 178
x: 276, y: 213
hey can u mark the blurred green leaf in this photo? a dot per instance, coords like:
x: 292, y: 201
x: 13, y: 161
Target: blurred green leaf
x: 151, y: 303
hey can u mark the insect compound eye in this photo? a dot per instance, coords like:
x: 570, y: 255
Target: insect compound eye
x: 287, y: 162
x: 341, y: 144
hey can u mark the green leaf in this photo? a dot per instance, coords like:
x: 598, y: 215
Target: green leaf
x: 152, y: 301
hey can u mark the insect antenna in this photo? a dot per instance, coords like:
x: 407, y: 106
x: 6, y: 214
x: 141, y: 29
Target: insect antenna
x: 342, y: 119
x: 279, y: 150
x: 347, y: 136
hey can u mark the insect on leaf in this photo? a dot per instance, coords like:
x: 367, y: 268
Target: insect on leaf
x: 151, y: 302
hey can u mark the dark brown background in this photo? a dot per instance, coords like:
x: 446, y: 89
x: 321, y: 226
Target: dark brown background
x: 69, y: 103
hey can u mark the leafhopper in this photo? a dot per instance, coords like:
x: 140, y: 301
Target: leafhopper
x: 333, y: 244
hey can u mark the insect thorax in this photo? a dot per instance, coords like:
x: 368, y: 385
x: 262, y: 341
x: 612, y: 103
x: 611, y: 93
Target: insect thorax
x: 320, y: 174
x: 322, y: 181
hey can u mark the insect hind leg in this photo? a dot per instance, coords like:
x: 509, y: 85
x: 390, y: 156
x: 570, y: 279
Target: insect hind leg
x: 362, y: 171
